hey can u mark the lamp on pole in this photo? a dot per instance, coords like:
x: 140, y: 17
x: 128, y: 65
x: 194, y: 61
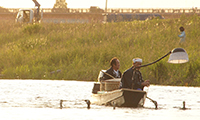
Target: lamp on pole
x: 177, y: 56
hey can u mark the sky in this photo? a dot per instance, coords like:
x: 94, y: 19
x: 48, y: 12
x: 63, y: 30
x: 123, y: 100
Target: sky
x: 102, y: 3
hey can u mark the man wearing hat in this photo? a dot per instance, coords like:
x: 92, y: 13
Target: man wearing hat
x: 132, y: 78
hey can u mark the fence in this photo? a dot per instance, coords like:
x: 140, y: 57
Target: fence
x: 109, y: 10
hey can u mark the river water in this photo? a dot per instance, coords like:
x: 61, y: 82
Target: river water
x: 40, y: 100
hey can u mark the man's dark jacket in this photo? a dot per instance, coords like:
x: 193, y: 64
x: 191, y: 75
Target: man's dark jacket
x: 111, y: 72
x: 132, y: 81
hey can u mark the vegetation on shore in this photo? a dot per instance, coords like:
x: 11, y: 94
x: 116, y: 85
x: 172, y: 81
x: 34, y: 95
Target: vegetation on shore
x: 79, y: 51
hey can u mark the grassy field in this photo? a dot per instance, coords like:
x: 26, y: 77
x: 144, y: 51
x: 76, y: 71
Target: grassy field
x: 80, y: 51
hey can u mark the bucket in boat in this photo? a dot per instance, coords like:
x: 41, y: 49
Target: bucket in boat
x: 96, y: 88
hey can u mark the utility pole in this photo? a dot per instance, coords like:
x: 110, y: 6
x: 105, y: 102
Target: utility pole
x: 105, y: 12
x: 106, y: 6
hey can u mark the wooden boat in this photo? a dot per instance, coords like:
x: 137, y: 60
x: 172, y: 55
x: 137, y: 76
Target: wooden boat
x: 120, y: 98
x: 108, y: 93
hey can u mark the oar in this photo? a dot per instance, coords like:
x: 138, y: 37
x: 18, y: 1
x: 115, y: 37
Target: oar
x: 107, y: 74
x: 155, y: 102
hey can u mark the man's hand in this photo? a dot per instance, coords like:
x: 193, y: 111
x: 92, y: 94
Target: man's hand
x: 146, y: 83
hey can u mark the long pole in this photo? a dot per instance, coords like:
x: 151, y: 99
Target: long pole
x: 156, y: 60
x: 108, y: 74
x: 142, y: 65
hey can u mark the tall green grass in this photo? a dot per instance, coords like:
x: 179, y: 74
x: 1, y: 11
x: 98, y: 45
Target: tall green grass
x: 80, y: 51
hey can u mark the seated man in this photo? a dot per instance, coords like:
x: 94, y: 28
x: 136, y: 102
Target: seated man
x: 132, y: 78
x: 113, y: 71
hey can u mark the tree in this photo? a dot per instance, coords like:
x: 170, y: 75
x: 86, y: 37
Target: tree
x: 60, y: 4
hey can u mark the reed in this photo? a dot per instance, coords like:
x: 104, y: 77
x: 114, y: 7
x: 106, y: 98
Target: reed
x: 80, y: 51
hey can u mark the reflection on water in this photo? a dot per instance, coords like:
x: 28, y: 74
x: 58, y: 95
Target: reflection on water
x: 42, y: 93
x: 40, y: 99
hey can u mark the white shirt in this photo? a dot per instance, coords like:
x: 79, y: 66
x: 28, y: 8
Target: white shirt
x: 182, y: 36
x: 116, y: 73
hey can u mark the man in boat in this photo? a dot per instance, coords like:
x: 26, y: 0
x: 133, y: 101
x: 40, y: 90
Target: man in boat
x: 113, y: 71
x: 132, y: 78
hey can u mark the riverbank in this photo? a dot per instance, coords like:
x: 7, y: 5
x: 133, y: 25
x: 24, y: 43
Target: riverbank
x: 80, y: 51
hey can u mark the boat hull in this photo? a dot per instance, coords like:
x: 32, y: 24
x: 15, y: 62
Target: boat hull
x: 120, y: 98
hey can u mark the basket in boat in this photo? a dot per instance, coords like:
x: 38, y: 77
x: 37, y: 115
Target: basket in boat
x: 112, y: 85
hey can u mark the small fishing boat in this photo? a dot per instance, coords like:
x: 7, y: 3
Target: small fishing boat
x: 108, y: 93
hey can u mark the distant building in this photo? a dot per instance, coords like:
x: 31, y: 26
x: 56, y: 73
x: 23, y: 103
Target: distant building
x: 95, y: 9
